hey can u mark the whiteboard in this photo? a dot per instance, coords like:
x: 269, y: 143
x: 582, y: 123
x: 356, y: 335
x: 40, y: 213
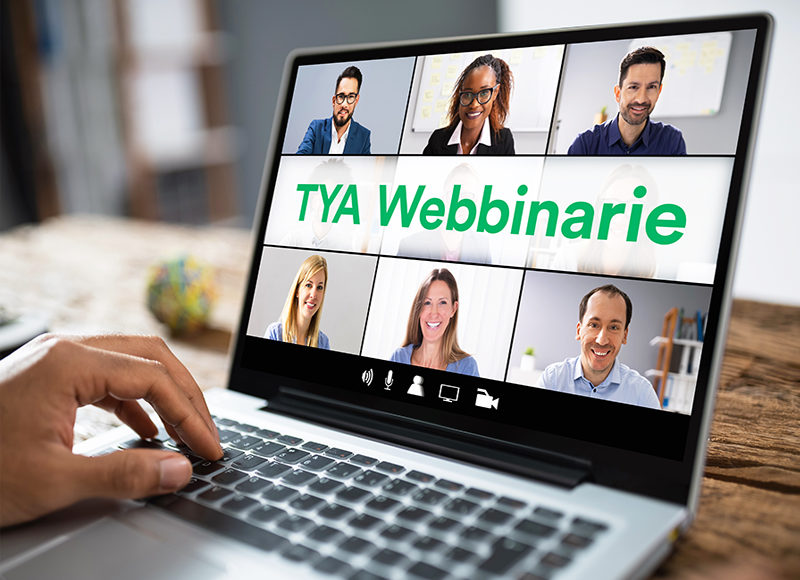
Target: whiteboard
x: 694, y: 78
x: 536, y: 71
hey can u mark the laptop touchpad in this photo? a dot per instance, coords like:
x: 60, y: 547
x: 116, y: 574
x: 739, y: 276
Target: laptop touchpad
x: 110, y: 549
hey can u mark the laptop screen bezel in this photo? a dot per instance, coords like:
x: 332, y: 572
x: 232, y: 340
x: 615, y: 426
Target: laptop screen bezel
x: 613, y: 464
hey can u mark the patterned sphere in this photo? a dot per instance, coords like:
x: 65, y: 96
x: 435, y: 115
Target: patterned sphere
x: 180, y: 293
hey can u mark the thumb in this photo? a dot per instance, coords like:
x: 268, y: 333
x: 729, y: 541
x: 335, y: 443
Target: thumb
x: 132, y: 473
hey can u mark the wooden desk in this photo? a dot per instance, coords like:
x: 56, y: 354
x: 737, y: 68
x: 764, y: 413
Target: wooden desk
x: 89, y: 274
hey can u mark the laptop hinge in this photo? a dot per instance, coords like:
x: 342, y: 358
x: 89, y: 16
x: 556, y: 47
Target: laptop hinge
x: 522, y: 460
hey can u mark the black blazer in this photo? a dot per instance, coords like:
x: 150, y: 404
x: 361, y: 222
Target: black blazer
x: 502, y: 143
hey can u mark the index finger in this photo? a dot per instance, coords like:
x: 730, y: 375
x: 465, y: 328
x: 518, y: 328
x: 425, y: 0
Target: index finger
x: 100, y: 373
x: 154, y: 348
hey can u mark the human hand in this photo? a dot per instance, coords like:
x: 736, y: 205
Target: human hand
x: 41, y: 386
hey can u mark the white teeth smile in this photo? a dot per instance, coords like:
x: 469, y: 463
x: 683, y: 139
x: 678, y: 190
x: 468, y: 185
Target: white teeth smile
x: 432, y: 324
x: 600, y: 354
x: 474, y: 115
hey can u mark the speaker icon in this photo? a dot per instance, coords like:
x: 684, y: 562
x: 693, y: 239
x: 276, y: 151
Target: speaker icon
x: 367, y: 376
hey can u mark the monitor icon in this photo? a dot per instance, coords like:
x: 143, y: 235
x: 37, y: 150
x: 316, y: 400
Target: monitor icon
x: 449, y: 393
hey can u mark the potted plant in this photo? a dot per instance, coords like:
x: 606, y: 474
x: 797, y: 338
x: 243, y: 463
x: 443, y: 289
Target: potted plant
x: 528, y: 361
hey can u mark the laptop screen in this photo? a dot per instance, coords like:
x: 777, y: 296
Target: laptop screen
x: 523, y: 237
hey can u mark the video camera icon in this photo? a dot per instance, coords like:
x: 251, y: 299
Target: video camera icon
x: 485, y: 400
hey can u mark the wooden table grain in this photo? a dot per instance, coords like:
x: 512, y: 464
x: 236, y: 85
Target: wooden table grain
x: 89, y: 275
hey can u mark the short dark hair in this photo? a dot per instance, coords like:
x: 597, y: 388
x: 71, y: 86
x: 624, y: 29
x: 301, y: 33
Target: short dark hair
x: 350, y: 72
x: 612, y: 291
x: 643, y: 55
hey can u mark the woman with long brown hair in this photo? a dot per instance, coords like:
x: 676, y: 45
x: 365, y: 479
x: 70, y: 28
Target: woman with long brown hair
x: 431, y: 333
x: 478, y: 108
x: 300, y: 318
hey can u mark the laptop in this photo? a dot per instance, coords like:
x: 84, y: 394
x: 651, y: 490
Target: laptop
x: 416, y: 390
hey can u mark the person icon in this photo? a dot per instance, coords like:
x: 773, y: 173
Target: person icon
x: 416, y: 387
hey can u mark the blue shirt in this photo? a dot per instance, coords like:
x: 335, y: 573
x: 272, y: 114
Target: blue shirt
x: 656, y: 139
x: 465, y: 366
x: 623, y: 384
x: 275, y: 332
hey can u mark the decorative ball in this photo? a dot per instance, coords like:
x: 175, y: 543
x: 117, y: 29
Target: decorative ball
x: 180, y: 293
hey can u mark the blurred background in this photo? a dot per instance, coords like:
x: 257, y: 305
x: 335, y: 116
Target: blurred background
x: 162, y: 109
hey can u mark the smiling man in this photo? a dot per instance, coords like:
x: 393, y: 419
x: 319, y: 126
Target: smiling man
x: 339, y: 134
x: 603, y: 318
x: 632, y: 132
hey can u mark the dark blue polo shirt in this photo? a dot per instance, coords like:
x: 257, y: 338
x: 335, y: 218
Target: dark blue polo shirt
x: 656, y: 139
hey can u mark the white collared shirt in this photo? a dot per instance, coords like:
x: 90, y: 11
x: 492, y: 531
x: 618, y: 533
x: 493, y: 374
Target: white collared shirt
x: 337, y: 145
x: 485, y: 138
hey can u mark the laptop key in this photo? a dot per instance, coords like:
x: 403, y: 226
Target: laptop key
x: 193, y: 486
x: 229, y: 477
x: 356, y: 545
x: 506, y: 554
x: 280, y: 493
x: 295, y: 523
x: 399, y: 487
x: 587, y: 527
x: 266, y: 433
x: 509, y: 503
x: 413, y: 515
x: 299, y: 477
x: 443, y: 525
x: 331, y: 565
x: 427, y: 545
x: 306, y: 502
x: 363, y: 460
x: 289, y: 440
x: 428, y: 496
x: 575, y: 541
x: 248, y: 462
x: 365, y: 522
x: 292, y: 456
x: 266, y: 514
x: 534, y: 529
x: 216, y: 493
x: 461, y: 556
x: 460, y: 506
x: 325, y: 486
x: 353, y: 495
x: 335, y: 512
x: 253, y: 485
x: 229, y: 454
x: 222, y: 523
x: 317, y: 463
x: 547, y: 513
x: 337, y: 453
x: 427, y: 571
x: 325, y: 535
x: 492, y: 517
x: 244, y: 442
x: 448, y: 485
x: 478, y: 494
x: 390, y: 468
x: 397, y: 533
x: 273, y: 470
x: 208, y: 467
x: 553, y: 560
x: 239, y: 504
x: 245, y: 428
x: 299, y: 553
x: 381, y: 504
x: 342, y: 471
x: 370, y: 478
x: 268, y: 449
x: 420, y: 477
x: 389, y: 558
x: 314, y: 446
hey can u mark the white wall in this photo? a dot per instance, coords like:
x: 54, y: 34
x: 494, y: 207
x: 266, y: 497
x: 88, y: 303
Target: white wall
x: 768, y: 268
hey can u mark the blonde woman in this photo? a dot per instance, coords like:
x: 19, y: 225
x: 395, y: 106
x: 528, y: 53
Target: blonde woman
x: 431, y: 333
x: 300, y: 318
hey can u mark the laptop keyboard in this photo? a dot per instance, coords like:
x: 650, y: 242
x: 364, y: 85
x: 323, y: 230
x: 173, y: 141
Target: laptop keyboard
x: 354, y: 516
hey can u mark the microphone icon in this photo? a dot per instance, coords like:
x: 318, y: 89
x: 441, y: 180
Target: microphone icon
x: 388, y: 381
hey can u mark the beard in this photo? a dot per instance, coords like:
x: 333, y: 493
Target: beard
x: 631, y: 120
x: 342, y: 121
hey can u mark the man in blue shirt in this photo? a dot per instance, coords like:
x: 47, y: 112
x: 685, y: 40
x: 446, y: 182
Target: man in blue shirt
x: 632, y: 132
x: 604, y: 315
x: 339, y: 134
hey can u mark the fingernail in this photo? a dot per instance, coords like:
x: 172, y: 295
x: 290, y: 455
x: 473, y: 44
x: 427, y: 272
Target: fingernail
x: 174, y: 472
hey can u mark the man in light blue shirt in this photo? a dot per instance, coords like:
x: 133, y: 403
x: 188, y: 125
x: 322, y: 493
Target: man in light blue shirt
x: 603, y: 318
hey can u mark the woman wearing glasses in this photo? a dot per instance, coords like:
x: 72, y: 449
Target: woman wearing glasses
x: 478, y: 109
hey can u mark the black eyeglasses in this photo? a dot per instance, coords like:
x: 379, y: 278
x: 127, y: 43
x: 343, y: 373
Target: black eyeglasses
x: 483, y: 96
x: 341, y: 98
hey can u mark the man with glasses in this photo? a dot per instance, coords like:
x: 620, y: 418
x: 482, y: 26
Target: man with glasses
x: 339, y: 134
